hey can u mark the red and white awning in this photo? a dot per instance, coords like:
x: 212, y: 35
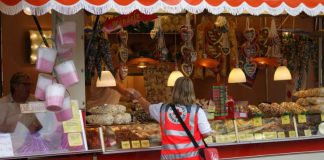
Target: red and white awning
x: 235, y: 7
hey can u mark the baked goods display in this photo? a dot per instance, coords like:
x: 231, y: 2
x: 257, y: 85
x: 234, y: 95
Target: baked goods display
x: 311, y: 99
x: 108, y: 114
x: 313, y: 92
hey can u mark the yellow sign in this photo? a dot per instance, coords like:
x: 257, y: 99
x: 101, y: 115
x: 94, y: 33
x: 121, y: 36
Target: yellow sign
x: 308, y: 132
x: 125, y: 144
x: 269, y: 135
x: 211, y: 108
x: 75, y: 109
x: 281, y: 135
x: 285, y: 119
x: 75, y: 139
x: 231, y: 138
x: 258, y: 136
x: 211, y: 116
x: 322, y: 116
x: 257, y: 121
x: 136, y: 144
x: 74, y: 124
x: 292, y: 134
x: 301, y: 118
x: 209, y: 139
x: 145, y: 143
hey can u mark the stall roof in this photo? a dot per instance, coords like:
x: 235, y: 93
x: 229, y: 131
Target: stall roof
x: 235, y: 7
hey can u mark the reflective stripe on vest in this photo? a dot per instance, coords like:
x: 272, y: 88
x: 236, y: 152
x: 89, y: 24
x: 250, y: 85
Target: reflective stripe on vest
x: 181, y: 146
x: 179, y: 156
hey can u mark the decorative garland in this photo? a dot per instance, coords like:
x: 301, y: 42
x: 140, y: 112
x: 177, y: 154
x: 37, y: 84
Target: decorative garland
x: 299, y: 50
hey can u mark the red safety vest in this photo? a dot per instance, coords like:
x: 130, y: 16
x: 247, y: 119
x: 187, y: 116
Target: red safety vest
x: 175, y: 142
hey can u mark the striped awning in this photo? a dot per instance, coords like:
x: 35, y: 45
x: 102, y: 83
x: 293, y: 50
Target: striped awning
x: 235, y: 7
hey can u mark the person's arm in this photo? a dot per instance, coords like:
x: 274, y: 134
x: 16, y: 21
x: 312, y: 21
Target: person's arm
x: 203, y: 124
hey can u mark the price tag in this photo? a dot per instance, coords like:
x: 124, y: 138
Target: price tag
x: 301, y: 118
x: 257, y: 121
x: 145, y: 143
x: 242, y: 137
x: 125, y: 144
x: 220, y: 139
x: 281, y: 135
x: 308, y: 132
x: 292, y: 134
x: 258, y: 136
x: 209, y: 139
x: 75, y: 109
x: 322, y: 117
x: 136, y: 144
x: 285, y: 119
x: 211, y: 108
x: 73, y: 125
x: 231, y: 138
x: 6, y: 148
x: 211, y: 116
x: 33, y: 107
x: 75, y: 139
x: 269, y: 135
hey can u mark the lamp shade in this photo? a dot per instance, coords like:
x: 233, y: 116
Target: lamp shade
x: 141, y: 60
x: 272, y: 61
x: 207, y: 62
x: 107, y: 80
x: 282, y: 73
x: 173, y: 77
x: 236, y: 76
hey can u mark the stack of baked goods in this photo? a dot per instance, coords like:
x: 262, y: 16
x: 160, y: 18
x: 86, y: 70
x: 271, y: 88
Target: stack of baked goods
x: 108, y: 114
x: 312, y: 99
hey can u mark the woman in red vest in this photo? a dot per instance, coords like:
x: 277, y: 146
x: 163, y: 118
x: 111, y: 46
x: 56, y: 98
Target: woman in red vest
x: 175, y: 142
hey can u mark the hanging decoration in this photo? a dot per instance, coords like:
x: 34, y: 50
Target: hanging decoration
x: 188, y: 52
x: 263, y: 41
x: 249, y: 49
x: 273, y: 41
x: 99, y: 52
x: 123, y: 50
x: 233, y: 44
x: 119, y: 22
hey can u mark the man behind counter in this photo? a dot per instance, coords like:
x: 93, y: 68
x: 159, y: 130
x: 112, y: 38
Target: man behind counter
x: 10, y: 113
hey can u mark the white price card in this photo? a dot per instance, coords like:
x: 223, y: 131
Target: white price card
x: 6, y: 149
x: 33, y: 107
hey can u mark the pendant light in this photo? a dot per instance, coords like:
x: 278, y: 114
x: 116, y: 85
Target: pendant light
x: 176, y: 73
x: 106, y: 80
x: 282, y: 73
x: 236, y: 76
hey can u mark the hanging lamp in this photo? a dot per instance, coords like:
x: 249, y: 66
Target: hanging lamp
x: 106, y: 80
x: 271, y: 61
x: 176, y: 73
x: 142, y: 62
x: 236, y: 76
x: 282, y: 73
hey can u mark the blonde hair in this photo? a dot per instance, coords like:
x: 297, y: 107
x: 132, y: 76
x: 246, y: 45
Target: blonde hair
x: 183, y: 91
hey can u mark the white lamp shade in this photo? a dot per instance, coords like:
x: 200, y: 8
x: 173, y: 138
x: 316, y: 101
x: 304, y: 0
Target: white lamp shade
x: 107, y: 80
x: 173, y: 77
x: 282, y: 73
x: 236, y: 76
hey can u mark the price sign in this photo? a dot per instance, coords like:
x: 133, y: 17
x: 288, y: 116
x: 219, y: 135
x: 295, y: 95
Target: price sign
x: 301, y: 118
x: 6, y: 148
x: 209, y: 139
x: 231, y: 138
x: 125, y: 144
x: 269, y: 135
x: 257, y: 121
x: 145, y: 143
x: 211, y: 116
x: 308, y: 132
x: 322, y: 116
x: 281, y: 135
x: 220, y: 139
x: 285, y: 119
x: 75, y: 139
x: 33, y: 107
x: 211, y: 108
x: 136, y: 144
x: 258, y: 136
x: 292, y: 134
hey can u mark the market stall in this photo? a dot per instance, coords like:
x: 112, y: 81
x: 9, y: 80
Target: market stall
x: 204, y: 40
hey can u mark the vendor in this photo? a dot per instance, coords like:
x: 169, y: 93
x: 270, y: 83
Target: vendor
x: 10, y: 113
